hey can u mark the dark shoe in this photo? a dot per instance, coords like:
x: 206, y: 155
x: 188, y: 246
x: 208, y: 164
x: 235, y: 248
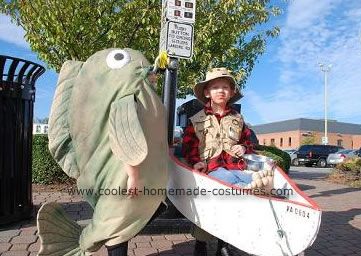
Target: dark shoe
x: 200, y: 248
x: 118, y: 250
x: 223, y: 249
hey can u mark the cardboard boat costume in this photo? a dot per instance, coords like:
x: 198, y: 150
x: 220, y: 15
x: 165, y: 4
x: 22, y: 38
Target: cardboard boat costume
x: 256, y: 224
x: 105, y: 113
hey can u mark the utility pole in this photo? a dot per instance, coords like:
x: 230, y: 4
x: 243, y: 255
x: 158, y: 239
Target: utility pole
x: 325, y: 69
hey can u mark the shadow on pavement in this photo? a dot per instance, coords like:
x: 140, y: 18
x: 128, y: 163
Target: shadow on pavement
x: 339, y: 191
x: 337, y: 236
x: 305, y: 187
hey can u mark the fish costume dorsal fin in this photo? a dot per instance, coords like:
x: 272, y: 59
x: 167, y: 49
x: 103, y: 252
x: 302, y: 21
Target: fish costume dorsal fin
x: 60, y: 142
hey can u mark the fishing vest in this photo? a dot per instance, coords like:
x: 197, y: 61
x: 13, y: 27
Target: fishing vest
x: 215, y: 137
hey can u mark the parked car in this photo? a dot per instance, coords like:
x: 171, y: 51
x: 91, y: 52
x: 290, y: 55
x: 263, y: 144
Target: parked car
x: 293, y: 155
x: 340, y: 156
x: 290, y: 151
x: 177, y: 135
x: 309, y: 155
x: 359, y: 152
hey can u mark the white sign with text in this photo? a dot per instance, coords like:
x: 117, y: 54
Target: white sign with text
x: 177, y: 39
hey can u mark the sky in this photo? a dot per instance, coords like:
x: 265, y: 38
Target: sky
x: 287, y: 82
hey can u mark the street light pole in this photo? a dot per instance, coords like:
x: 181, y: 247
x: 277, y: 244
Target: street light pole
x: 325, y: 69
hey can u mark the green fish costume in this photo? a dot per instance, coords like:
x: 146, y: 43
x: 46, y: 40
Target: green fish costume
x: 105, y: 114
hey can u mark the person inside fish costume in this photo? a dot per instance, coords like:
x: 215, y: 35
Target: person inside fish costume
x: 107, y: 129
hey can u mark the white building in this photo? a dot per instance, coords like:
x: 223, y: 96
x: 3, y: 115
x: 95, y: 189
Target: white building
x: 40, y: 128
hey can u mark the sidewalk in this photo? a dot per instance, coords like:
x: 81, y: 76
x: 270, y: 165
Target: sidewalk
x: 340, y: 231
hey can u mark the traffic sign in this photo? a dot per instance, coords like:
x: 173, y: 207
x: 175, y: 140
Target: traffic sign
x: 325, y: 140
x: 180, y: 10
x: 177, y: 39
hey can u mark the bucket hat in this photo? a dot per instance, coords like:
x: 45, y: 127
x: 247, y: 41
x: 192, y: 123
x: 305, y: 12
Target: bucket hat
x: 213, y: 74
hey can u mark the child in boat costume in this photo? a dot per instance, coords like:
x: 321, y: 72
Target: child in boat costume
x: 108, y: 131
x: 216, y: 139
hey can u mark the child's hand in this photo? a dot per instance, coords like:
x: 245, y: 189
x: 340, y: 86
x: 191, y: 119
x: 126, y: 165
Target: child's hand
x: 153, y: 79
x: 133, y: 186
x: 200, y: 166
x: 238, y: 150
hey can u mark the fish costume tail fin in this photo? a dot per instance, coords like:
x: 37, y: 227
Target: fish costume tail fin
x: 59, y: 235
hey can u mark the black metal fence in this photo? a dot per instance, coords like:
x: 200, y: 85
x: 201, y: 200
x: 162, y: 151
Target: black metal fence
x: 17, y: 96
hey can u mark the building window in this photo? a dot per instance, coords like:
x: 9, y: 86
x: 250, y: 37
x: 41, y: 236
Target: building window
x: 178, y: 3
x: 46, y: 128
x: 281, y: 142
x: 38, y: 129
x: 289, y: 141
x: 177, y: 13
x: 264, y: 141
x: 272, y: 142
x: 339, y: 143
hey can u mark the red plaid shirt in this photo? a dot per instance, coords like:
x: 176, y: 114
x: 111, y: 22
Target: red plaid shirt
x: 190, y: 145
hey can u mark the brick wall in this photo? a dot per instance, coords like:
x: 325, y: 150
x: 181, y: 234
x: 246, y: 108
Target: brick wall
x: 293, y: 139
x: 283, y: 140
x: 356, y: 141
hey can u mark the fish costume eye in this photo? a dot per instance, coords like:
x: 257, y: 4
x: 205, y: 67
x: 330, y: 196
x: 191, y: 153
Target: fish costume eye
x: 117, y: 59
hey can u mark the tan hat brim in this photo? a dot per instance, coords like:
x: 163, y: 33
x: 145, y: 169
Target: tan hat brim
x: 198, y: 90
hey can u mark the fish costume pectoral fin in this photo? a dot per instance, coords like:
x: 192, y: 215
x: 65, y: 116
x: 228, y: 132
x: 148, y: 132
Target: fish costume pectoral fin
x: 126, y: 135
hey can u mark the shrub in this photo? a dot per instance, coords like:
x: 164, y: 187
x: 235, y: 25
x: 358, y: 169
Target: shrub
x: 348, y: 172
x: 44, y: 169
x: 282, y: 158
x: 350, y: 166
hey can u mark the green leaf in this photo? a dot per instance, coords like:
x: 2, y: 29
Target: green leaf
x: 227, y: 32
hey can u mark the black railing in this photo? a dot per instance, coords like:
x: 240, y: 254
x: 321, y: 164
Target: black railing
x: 17, y: 96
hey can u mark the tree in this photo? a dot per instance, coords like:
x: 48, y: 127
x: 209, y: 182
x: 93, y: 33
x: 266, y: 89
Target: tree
x: 309, y: 140
x: 44, y: 120
x: 225, y: 35
x: 41, y: 120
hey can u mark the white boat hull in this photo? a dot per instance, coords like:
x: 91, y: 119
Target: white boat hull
x: 259, y: 225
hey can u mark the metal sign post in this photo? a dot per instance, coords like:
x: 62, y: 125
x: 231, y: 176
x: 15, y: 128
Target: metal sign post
x: 170, y: 94
x: 176, y: 38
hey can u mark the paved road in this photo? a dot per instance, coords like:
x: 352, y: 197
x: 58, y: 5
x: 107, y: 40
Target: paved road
x: 340, y: 231
x: 300, y: 171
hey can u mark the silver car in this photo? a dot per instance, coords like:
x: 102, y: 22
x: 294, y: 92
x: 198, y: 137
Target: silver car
x: 340, y: 156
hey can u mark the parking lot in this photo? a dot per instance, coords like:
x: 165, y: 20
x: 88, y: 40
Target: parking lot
x: 301, y: 171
